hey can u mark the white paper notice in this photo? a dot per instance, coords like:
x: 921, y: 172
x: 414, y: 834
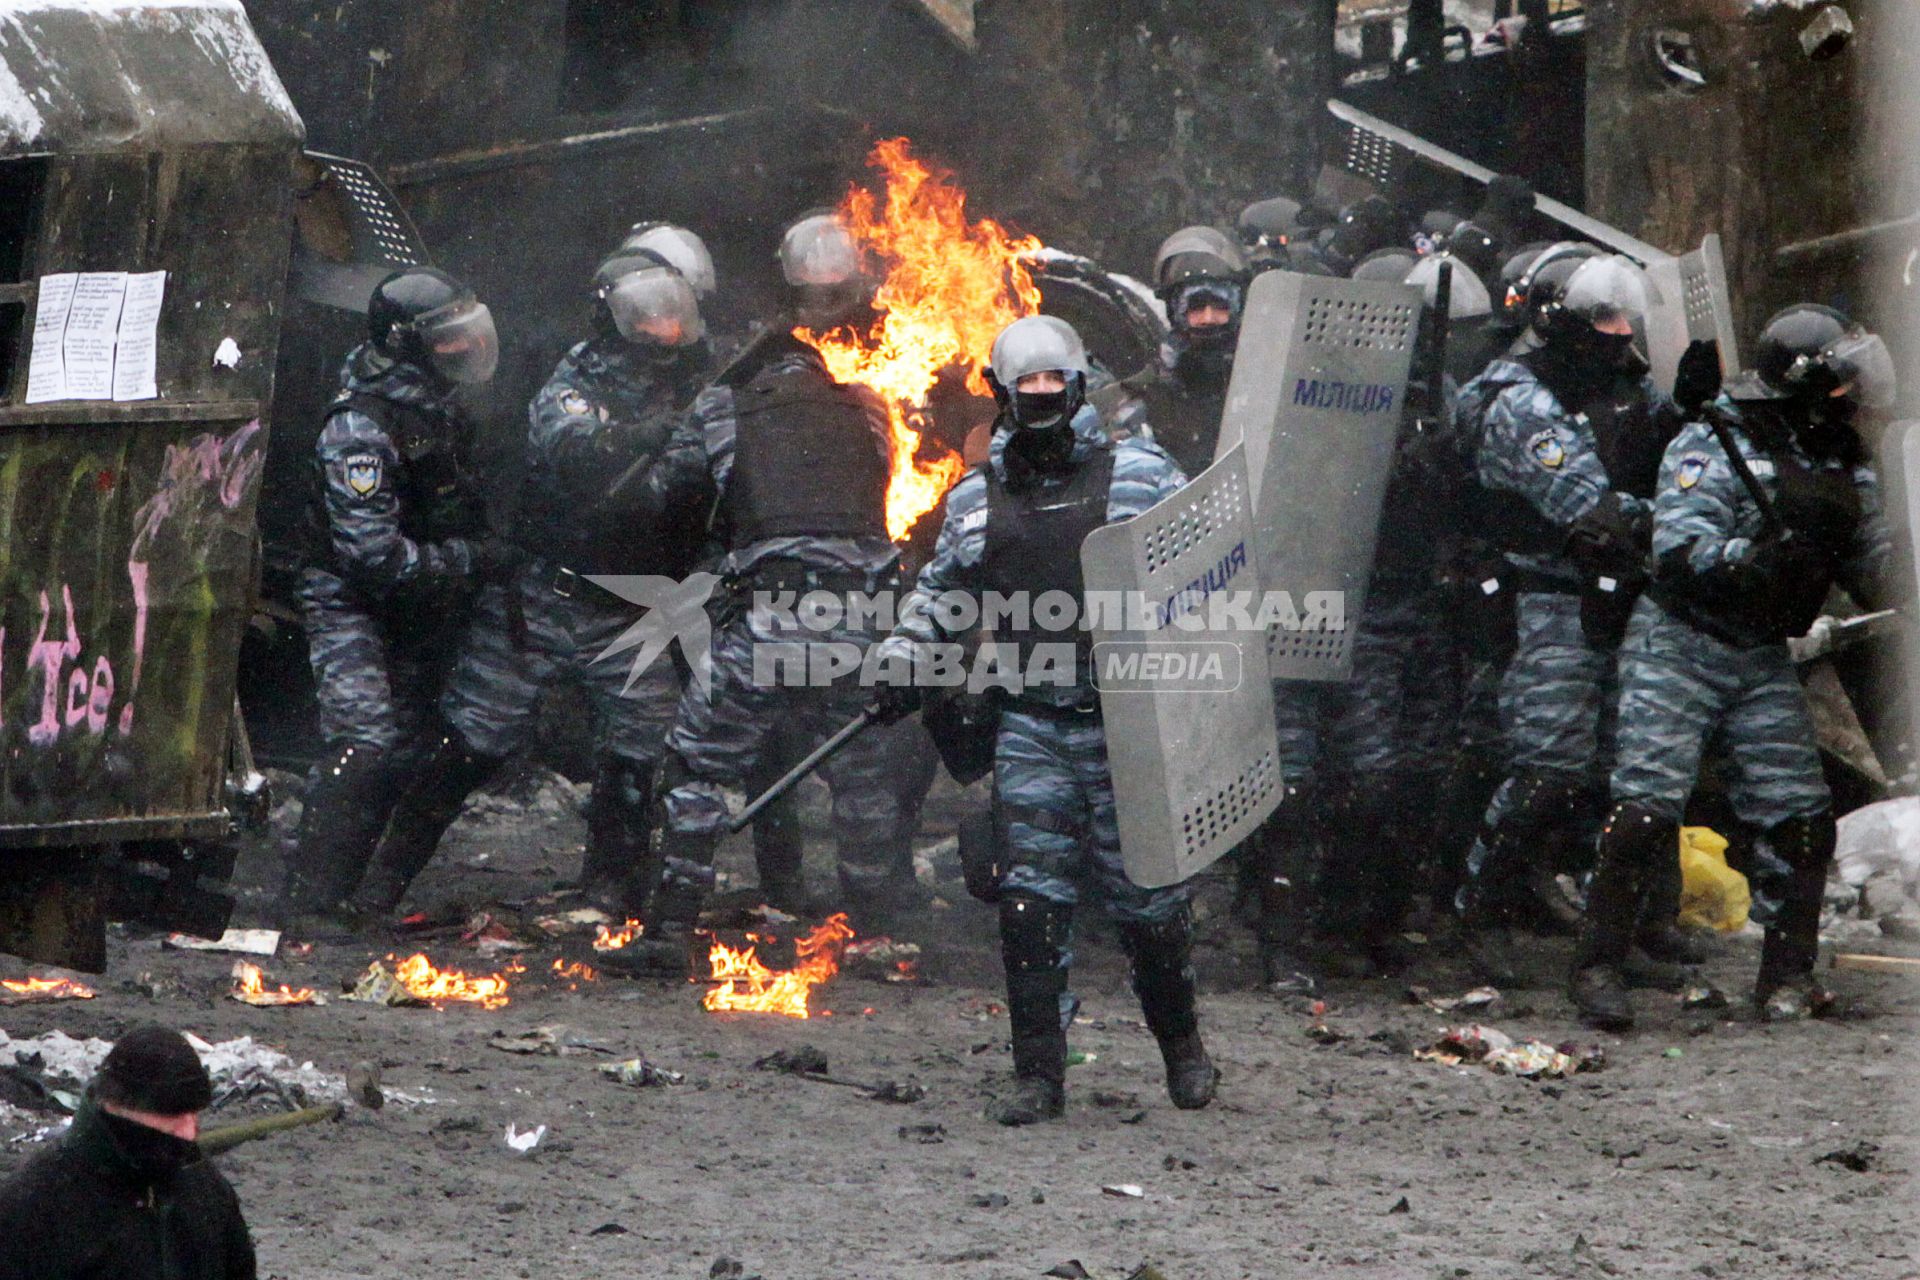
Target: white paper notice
x: 93, y: 321
x: 134, y: 355
x: 47, y: 372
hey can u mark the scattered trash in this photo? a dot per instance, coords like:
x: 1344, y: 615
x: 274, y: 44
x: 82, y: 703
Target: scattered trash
x: 1703, y: 997
x: 1068, y: 1270
x: 227, y: 354
x: 415, y: 980
x: 525, y: 1142
x: 1478, y: 998
x: 555, y: 1041
x: 1109, y: 1098
x: 1712, y: 894
x: 1395, y: 1042
x: 578, y: 920
x: 1125, y: 1190
x: 1673, y: 1051
x: 924, y: 1134
x: 992, y: 1200
x: 250, y: 987
x: 608, y: 1229
x: 1402, y: 1205
x: 1881, y: 839
x: 909, y: 1091
x: 1079, y: 1059
x: 1146, y: 1271
x: 805, y: 1060
x: 246, y: 942
x: 1317, y: 1029
x: 1860, y: 1157
x: 1176, y: 1163
x: 16, y: 991
x: 641, y: 1074
x: 882, y: 960
x: 1500, y: 1052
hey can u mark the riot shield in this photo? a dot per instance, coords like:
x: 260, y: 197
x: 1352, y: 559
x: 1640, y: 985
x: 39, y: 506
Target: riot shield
x: 1316, y: 399
x: 1183, y: 678
x: 1693, y: 304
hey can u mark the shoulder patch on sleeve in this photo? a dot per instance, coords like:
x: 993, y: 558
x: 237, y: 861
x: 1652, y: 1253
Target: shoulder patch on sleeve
x: 362, y: 472
x: 1691, y: 468
x: 1547, y: 449
x: 575, y: 405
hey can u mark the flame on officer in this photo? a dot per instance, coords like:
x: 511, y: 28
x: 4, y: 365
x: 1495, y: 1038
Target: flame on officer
x: 748, y: 986
x: 951, y: 285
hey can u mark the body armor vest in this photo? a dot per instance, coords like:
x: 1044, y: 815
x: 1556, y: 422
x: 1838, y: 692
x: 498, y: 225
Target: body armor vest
x: 1033, y: 539
x: 804, y: 461
x: 436, y: 494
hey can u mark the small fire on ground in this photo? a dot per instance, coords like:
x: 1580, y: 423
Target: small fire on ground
x: 573, y: 972
x: 747, y: 986
x: 425, y: 982
x: 610, y: 939
x: 950, y: 286
x: 250, y: 987
x: 39, y: 990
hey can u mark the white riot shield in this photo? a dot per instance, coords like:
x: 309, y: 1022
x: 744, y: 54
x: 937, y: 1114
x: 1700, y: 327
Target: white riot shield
x: 1693, y: 304
x: 1316, y: 399
x: 1184, y: 690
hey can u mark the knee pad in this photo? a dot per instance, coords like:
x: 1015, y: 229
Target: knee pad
x: 1158, y: 947
x: 622, y: 786
x: 1033, y: 933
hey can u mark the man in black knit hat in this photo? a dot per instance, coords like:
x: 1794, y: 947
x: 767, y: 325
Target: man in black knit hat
x: 127, y: 1192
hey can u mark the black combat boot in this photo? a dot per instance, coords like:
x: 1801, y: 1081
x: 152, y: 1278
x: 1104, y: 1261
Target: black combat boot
x: 778, y: 849
x: 1632, y: 840
x: 619, y: 830
x: 669, y: 908
x: 1033, y: 937
x: 1484, y: 920
x: 1660, y: 935
x: 1786, y: 990
x: 1536, y: 806
x: 434, y: 794
x: 1162, y: 959
x: 347, y: 805
x: 1281, y: 853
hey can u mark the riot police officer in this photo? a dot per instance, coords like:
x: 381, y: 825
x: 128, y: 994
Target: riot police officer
x: 1566, y: 433
x: 396, y: 540
x: 608, y: 408
x: 1014, y: 526
x: 1761, y: 507
x: 1201, y: 276
x: 796, y: 467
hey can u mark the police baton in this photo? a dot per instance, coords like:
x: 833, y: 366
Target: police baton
x: 814, y: 759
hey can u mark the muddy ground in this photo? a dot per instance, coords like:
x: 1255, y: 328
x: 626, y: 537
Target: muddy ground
x: 1701, y: 1149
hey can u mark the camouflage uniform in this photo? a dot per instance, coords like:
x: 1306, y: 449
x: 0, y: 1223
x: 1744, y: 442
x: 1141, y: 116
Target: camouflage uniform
x: 606, y: 407
x: 1547, y: 467
x: 393, y: 533
x: 1052, y: 786
x: 726, y: 738
x: 1695, y: 666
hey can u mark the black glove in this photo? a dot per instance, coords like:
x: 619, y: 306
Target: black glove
x: 895, y: 702
x: 1607, y: 540
x: 495, y: 559
x: 1697, y: 380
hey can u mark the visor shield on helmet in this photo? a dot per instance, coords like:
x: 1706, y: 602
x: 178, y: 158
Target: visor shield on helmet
x: 655, y: 306
x: 684, y: 251
x: 1036, y: 344
x: 1467, y: 297
x: 819, y: 251
x: 1606, y: 291
x: 461, y: 341
x: 1863, y: 367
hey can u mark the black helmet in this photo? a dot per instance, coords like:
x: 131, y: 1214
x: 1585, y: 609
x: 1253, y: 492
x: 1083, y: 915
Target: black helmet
x: 1475, y: 246
x: 1546, y: 277
x: 1809, y: 352
x: 425, y: 317
x: 1512, y: 300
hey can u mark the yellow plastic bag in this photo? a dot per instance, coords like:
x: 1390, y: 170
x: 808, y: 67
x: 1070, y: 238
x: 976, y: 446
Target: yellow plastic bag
x: 1712, y: 894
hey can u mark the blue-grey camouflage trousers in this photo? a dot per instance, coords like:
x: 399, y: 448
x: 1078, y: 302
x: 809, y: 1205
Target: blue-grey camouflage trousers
x: 1388, y: 723
x: 1680, y: 686
x: 724, y: 739
x: 1056, y: 796
x: 493, y: 697
x: 375, y: 681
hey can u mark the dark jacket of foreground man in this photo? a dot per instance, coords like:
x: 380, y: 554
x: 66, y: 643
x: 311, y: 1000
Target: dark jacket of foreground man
x: 96, y: 1207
